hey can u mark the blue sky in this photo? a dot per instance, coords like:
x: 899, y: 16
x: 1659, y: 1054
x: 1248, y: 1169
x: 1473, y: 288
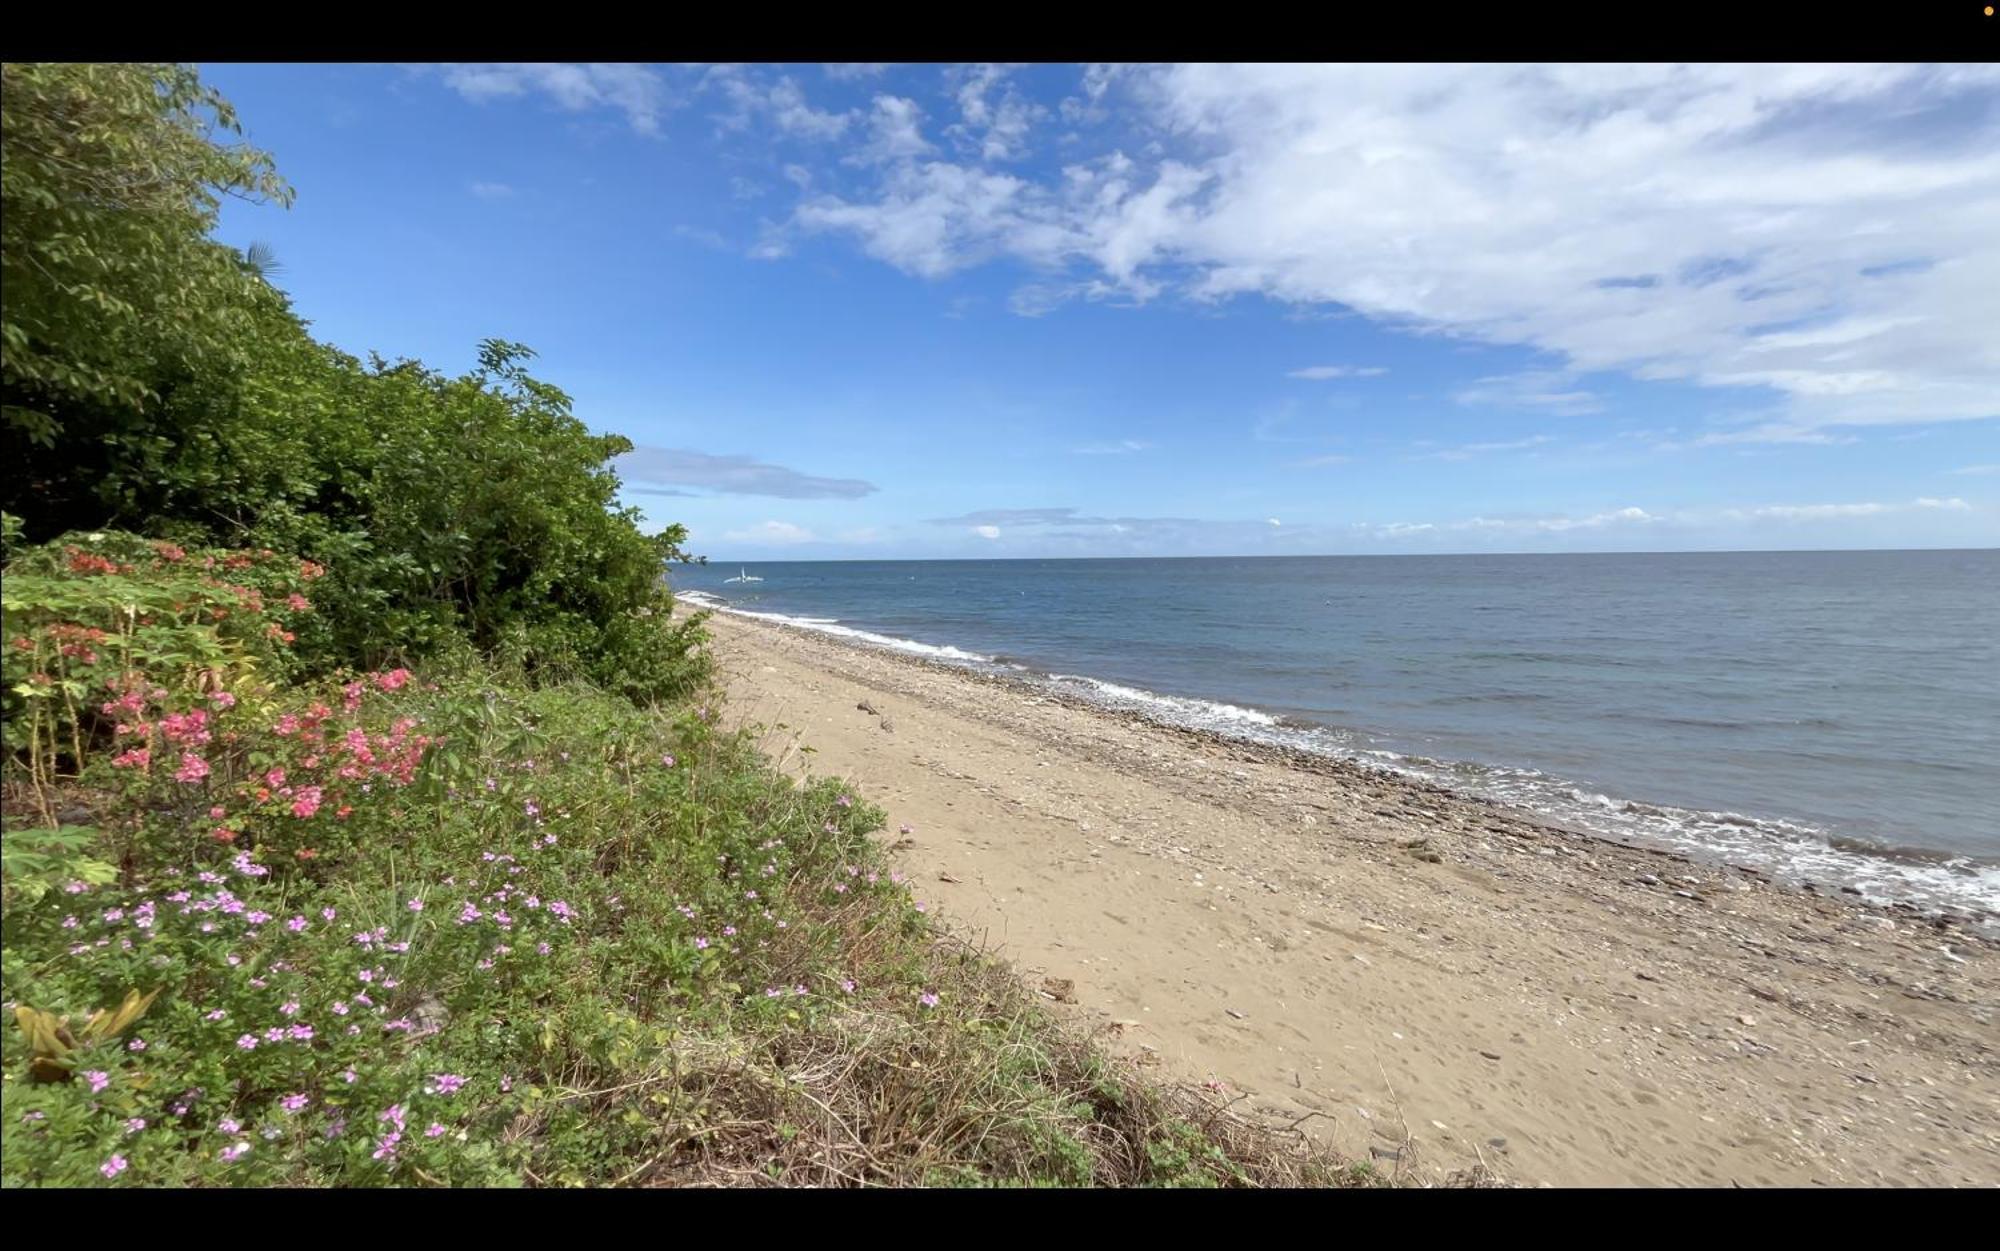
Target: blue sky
x: 940, y: 311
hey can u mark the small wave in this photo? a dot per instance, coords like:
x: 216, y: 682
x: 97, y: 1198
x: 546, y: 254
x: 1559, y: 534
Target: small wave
x: 830, y: 625
x: 1195, y: 711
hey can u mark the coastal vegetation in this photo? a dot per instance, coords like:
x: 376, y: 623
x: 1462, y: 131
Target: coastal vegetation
x: 369, y: 816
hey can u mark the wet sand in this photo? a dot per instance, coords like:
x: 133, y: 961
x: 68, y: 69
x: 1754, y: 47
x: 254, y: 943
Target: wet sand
x: 1431, y: 981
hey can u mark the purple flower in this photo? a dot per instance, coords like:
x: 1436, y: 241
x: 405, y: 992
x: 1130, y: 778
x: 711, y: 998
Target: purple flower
x: 435, y: 1131
x: 98, y: 1079
x: 292, y: 1103
x: 227, y: 1125
x: 113, y: 1166
x: 235, y: 1152
x: 290, y: 1007
x: 216, y: 1015
x: 135, y: 1124
x: 445, y: 1083
x: 297, y: 925
x: 929, y: 999
x: 137, y: 1044
x: 416, y: 905
x: 701, y: 944
x: 328, y: 914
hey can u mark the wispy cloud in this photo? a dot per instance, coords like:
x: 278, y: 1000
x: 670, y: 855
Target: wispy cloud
x: 1727, y: 225
x: 1122, y: 447
x: 1534, y: 389
x: 1466, y: 451
x: 1833, y: 512
x: 638, y: 92
x: 1321, y: 462
x: 774, y: 533
x: 1320, y: 373
x: 1977, y: 470
x: 733, y: 475
x: 491, y: 190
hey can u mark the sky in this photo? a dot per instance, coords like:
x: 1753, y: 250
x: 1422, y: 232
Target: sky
x: 924, y: 311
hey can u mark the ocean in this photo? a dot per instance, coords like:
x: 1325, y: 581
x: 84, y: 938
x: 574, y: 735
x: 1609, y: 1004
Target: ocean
x: 1831, y: 717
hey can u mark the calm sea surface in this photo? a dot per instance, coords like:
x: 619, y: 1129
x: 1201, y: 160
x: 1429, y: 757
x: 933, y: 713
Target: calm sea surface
x: 1833, y: 716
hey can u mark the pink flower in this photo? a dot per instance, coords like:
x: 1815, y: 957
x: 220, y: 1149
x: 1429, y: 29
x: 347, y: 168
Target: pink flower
x: 135, y: 1124
x: 929, y: 999
x: 222, y: 699
x: 292, y: 1103
x: 416, y: 905
x: 667, y: 760
x: 98, y: 1079
x: 234, y: 1152
x: 113, y: 1166
x: 307, y: 803
x: 435, y: 1131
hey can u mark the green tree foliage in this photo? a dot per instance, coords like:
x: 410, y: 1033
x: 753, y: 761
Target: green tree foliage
x: 155, y: 381
x: 112, y: 179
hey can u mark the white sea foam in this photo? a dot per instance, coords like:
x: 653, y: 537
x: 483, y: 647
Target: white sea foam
x: 831, y: 625
x: 1786, y: 851
x: 1198, y: 712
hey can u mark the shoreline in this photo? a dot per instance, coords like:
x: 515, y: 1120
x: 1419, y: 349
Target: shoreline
x: 1974, y: 917
x: 1364, y: 950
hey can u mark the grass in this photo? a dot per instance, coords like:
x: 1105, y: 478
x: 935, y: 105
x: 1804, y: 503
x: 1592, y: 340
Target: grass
x: 581, y: 944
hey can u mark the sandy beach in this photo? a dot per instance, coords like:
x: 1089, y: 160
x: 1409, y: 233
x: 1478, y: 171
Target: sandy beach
x: 1432, y: 982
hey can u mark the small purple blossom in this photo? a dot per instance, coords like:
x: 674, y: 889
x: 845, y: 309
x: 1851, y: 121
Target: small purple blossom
x: 113, y: 1166
x: 98, y: 1079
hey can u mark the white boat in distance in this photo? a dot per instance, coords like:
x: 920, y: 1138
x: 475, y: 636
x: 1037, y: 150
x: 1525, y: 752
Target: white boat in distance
x: 742, y: 577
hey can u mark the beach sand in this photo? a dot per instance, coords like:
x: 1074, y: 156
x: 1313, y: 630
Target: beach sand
x: 1433, y: 982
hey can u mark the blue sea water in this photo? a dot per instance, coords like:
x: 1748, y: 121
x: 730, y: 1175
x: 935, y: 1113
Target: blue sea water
x: 1825, y: 716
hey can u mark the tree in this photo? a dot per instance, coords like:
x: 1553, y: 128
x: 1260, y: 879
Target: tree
x: 110, y: 184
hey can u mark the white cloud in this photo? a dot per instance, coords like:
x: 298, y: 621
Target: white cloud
x: 1319, y: 373
x: 895, y: 132
x: 1824, y: 231
x: 751, y: 97
x: 1273, y: 521
x: 848, y: 71
x: 1978, y: 470
x: 1466, y: 451
x: 733, y: 475
x: 1536, y: 389
x: 987, y: 532
x: 1319, y: 462
x: 998, y: 129
x: 491, y: 190
x: 637, y: 91
x: 777, y: 533
x: 1122, y: 447
x: 1837, y: 512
